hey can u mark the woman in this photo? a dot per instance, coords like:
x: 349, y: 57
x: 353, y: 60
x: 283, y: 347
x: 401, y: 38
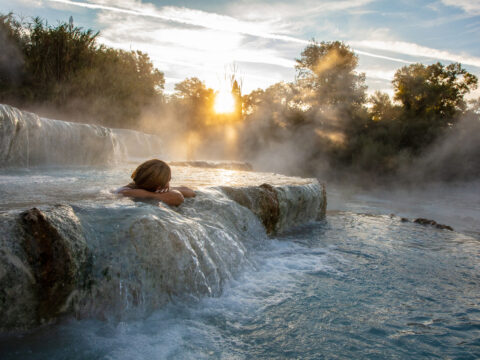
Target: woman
x: 151, y: 180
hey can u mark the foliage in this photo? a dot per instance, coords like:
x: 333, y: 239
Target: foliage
x: 193, y: 102
x: 432, y: 99
x: 326, y: 108
x: 434, y: 90
x: 64, y: 68
x: 12, y: 39
x: 328, y: 71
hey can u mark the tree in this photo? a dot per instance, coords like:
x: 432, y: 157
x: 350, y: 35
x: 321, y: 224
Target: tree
x: 194, y: 102
x: 435, y: 90
x: 327, y: 73
x: 433, y: 100
x: 64, y: 70
x: 382, y: 107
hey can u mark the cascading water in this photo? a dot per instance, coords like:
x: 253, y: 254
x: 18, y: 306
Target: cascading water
x: 107, y: 259
x: 28, y: 140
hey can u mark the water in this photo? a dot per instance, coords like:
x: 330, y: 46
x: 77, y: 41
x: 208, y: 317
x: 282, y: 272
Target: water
x: 29, y: 140
x: 352, y: 286
x: 20, y: 188
x: 453, y: 204
x: 205, y: 281
x: 130, y: 257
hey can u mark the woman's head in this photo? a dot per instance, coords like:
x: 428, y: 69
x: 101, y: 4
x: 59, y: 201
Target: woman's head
x: 152, y: 175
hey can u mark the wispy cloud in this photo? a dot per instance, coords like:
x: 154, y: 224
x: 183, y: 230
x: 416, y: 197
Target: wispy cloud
x: 218, y: 22
x: 469, y: 6
x: 379, y: 74
x: 185, y: 51
x: 294, y: 9
x: 415, y: 50
x: 188, y: 17
x: 266, y: 35
x: 366, y: 53
x: 31, y: 3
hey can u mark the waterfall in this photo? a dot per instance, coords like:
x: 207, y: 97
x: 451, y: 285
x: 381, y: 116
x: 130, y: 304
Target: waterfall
x: 29, y: 140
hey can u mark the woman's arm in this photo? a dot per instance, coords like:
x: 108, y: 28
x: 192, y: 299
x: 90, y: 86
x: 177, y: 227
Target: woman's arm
x: 172, y: 197
x: 186, y: 192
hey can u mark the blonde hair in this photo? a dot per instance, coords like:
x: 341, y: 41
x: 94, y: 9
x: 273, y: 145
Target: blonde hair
x: 151, y: 175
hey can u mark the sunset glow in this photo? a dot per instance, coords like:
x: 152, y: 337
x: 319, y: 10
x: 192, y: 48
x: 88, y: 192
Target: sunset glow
x: 224, y: 102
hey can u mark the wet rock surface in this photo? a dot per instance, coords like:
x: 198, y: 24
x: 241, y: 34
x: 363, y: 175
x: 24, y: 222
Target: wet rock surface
x: 44, y: 261
x: 261, y: 200
x: 423, y: 221
x: 282, y: 207
x: 57, y: 257
x: 426, y: 222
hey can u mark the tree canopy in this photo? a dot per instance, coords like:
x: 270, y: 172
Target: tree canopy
x: 63, y: 67
x: 328, y: 70
x: 434, y: 90
x: 432, y: 99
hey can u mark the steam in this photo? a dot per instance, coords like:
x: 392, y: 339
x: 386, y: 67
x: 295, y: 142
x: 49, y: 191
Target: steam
x: 453, y: 157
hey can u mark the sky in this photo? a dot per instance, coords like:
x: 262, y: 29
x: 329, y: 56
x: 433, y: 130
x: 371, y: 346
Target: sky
x: 260, y: 40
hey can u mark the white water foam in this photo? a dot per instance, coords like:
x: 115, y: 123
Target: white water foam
x: 28, y: 140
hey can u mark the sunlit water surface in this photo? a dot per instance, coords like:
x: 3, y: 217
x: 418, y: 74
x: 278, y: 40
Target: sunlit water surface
x: 357, y: 285
x: 38, y: 186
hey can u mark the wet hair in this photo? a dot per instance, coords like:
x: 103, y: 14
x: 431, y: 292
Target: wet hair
x: 151, y: 175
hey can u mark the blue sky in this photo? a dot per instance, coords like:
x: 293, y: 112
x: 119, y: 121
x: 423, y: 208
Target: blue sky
x: 263, y: 38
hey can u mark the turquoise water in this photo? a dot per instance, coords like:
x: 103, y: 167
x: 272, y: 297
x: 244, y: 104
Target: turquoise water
x: 353, y: 286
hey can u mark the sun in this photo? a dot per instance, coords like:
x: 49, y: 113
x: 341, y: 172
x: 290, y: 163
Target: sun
x: 224, y: 102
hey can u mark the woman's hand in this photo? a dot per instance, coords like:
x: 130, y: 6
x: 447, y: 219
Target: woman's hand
x: 163, y: 190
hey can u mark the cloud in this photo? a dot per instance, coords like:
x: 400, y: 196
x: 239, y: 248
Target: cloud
x: 197, y: 45
x: 360, y: 52
x: 265, y: 29
x: 471, y: 7
x: 177, y: 38
x: 204, y: 42
x: 187, y: 17
x: 380, y: 74
x: 415, y: 50
x: 31, y: 3
x: 289, y: 10
x: 186, y: 51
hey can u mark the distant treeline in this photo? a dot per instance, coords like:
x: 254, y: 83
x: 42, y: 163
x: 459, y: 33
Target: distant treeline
x: 327, y: 117
x: 322, y: 124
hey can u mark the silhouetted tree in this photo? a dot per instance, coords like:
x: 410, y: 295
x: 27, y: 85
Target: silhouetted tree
x: 194, y: 103
x: 63, y: 68
x: 432, y: 98
x: 327, y: 73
